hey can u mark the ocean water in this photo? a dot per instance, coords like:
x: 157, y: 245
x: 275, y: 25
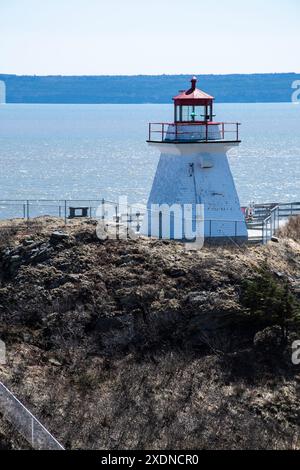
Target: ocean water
x: 100, y: 151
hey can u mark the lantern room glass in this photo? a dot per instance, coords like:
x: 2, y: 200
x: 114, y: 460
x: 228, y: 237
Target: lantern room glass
x: 198, y: 113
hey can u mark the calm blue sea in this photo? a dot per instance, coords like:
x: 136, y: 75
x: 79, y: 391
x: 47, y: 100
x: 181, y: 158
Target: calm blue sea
x: 99, y: 151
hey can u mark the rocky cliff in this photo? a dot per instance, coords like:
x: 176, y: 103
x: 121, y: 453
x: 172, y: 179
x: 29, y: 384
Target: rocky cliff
x: 142, y: 344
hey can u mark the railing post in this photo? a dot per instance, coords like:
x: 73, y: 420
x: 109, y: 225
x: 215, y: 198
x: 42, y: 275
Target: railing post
x: 149, y: 131
x: 117, y: 222
x: 32, y: 432
x: 65, y: 212
x: 223, y: 130
x: 103, y: 209
x: 138, y: 221
x: 237, y: 132
x: 27, y: 209
x: 272, y: 226
x: 206, y: 132
x: 162, y: 132
x: 129, y: 222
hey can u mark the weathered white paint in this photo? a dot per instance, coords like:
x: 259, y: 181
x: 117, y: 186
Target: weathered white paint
x: 193, y: 132
x: 198, y: 173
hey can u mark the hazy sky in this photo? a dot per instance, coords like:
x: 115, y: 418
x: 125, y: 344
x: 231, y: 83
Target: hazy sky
x: 149, y: 37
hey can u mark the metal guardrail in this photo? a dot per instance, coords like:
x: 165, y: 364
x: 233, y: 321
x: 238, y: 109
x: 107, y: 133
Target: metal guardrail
x: 270, y: 225
x: 286, y: 209
x: 265, y: 221
x: 25, y: 423
x: 289, y: 209
x: 202, y: 132
x: 96, y: 209
x: 31, y: 208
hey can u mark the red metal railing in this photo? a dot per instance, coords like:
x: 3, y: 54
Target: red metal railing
x: 202, y: 132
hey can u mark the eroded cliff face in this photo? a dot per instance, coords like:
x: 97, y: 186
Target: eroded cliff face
x: 142, y: 344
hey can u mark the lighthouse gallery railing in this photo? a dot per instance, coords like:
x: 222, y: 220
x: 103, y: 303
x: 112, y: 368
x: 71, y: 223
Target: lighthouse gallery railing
x: 202, y: 132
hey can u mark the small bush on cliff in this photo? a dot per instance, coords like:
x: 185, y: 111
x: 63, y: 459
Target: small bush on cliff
x: 270, y: 302
x: 7, y: 236
x: 291, y: 229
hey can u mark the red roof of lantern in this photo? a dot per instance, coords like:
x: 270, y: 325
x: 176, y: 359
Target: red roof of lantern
x: 193, y: 96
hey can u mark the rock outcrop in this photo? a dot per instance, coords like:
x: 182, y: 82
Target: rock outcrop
x: 141, y: 344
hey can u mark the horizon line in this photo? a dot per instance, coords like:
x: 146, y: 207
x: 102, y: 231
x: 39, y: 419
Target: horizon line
x: 148, y: 75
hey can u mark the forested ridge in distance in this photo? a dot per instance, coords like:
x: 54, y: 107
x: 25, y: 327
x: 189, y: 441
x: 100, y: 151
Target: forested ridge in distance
x: 256, y: 88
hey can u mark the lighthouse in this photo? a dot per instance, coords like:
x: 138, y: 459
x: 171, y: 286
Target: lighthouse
x: 193, y: 171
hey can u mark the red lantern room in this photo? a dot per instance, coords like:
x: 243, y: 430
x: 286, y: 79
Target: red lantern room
x: 193, y: 121
x: 193, y: 105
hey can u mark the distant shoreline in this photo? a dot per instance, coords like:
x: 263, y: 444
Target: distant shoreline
x: 145, y: 89
x: 143, y: 104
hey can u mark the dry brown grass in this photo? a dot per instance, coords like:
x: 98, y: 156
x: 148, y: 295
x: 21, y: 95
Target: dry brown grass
x: 7, y: 236
x: 111, y: 348
x: 291, y: 229
x: 14, y: 230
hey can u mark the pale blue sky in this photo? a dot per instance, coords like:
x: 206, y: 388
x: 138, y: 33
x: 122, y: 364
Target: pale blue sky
x: 149, y: 37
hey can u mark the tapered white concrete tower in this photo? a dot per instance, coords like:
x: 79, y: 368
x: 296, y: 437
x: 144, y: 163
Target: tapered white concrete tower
x: 193, y: 170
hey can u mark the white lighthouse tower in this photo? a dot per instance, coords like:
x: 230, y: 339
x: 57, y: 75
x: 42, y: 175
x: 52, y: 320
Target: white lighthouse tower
x: 193, y: 170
